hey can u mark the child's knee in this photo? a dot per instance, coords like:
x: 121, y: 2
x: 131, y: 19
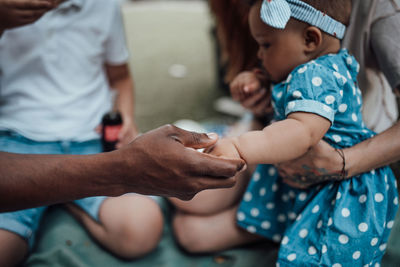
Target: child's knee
x: 189, y: 233
x: 141, y: 231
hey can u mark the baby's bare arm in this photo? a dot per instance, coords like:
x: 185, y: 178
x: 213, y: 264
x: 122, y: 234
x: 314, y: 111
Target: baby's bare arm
x: 282, y: 141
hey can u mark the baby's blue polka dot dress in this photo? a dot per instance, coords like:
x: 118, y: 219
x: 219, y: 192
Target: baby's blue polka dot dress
x: 338, y: 223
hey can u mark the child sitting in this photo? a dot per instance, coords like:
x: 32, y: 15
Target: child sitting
x: 315, y: 95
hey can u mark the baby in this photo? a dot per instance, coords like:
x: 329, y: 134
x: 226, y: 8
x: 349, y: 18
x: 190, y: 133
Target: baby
x: 315, y: 96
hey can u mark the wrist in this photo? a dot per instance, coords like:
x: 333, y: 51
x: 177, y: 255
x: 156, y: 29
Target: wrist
x: 351, y: 165
x: 105, y: 168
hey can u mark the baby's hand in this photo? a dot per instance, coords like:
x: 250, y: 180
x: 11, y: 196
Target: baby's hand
x: 244, y: 85
x: 224, y: 148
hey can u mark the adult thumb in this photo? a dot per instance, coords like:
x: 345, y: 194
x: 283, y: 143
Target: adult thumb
x: 198, y: 140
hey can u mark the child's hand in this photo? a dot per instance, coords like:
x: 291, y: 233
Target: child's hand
x: 224, y: 148
x: 14, y: 13
x: 127, y: 134
x: 244, y: 85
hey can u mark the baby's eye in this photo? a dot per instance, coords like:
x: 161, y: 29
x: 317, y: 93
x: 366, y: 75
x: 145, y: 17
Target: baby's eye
x: 266, y: 45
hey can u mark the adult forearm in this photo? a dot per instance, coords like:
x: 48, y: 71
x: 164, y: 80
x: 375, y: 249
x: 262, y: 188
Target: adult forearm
x: 160, y: 162
x: 35, y: 180
x: 376, y: 152
x: 125, y: 97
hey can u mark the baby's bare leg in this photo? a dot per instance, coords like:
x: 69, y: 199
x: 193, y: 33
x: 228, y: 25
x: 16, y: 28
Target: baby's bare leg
x: 13, y: 249
x: 201, y: 234
x: 130, y: 227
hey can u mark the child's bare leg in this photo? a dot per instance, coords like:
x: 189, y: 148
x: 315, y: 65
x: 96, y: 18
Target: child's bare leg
x: 201, y: 234
x: 212, y: 201
x: 13, y: 249
x: 131, y: 225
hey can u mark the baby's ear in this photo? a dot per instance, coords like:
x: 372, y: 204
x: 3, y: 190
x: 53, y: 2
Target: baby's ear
x: 312, y: 38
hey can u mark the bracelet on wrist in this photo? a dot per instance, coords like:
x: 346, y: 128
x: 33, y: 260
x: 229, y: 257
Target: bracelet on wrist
x: 343, y: 173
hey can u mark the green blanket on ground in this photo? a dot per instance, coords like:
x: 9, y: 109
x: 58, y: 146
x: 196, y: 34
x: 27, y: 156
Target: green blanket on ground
x: 63, y: 242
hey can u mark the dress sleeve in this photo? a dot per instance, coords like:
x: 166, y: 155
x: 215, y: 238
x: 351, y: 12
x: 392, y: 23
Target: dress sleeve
x: 314, y: 89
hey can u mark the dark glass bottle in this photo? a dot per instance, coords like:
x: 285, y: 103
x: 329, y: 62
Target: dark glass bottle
x: 112, y: 124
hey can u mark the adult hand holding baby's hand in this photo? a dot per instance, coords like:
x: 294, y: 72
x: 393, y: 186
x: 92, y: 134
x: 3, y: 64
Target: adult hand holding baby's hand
x: 224, y: 148
x: 14, y: 13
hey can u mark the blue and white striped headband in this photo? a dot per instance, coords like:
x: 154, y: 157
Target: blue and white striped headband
x: 276, y: 13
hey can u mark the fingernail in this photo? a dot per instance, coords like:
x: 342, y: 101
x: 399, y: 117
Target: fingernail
x: 246, y: 89
x: 212, y: 135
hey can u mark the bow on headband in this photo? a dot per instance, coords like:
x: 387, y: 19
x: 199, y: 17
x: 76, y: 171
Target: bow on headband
x: 276, y: 13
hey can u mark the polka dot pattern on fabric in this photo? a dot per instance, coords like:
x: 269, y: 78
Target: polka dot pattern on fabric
x: 363, y: 227
x: 312, y: 250
x: 302, y: 196
x: 345, y: 212
x: 240, y: 216
x: 354, y: 117
x: 315, y: 209
x: 302, y: 69
x: 338, y: 214
x: 271, y: 171
x: 292, y: 215
x: 248, y: 196
x: 251, y: 229
x: 254, y: 212
x: 356, y: 255
x: 343, y: 239
x: 265, y: 225
x: 303, y: 233
x: 349, y: 61
x: 276, y: 238
x: 297, y: 94
x: 378, y: 197
x: 329, y: 99
x: 342, y: 108
x: 262, y: 191
x: 291, y: 257
x: 317, y: 81
x: 281, y: 218
x: 291, y: 105
x: 270, y: 206
x: 337, y: 138
x: 362, y: 199
x: 275, y: 187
